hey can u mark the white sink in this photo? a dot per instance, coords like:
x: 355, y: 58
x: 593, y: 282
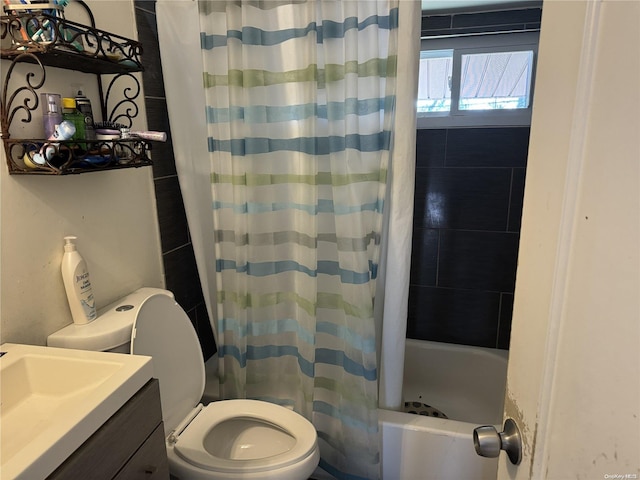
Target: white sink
x: 53, y: 399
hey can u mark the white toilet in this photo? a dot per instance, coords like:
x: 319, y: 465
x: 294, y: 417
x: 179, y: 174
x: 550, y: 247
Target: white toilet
x: 225, y: 440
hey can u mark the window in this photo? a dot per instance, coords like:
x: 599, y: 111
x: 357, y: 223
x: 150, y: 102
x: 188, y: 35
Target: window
x: 434, y: 84
x: 476, y: 80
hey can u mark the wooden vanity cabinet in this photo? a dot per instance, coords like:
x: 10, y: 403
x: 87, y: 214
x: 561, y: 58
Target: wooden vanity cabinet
x: 130, y: 445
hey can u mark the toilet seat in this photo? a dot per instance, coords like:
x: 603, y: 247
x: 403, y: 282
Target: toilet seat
x: 163, y: 331
x: 288, y: 442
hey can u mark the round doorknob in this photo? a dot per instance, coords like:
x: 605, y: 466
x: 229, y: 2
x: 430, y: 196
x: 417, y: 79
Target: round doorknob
x: 488, y: 442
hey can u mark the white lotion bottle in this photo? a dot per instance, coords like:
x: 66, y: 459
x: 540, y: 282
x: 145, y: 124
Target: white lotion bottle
x: 77, y: 283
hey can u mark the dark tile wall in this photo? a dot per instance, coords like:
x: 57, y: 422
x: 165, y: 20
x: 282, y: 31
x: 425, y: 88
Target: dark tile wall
x: 468, y: 204
x: 181, y: 273
x: 469, y: 190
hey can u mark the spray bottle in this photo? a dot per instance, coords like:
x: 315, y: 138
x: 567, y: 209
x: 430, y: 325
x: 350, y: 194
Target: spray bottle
x: 83, y: 105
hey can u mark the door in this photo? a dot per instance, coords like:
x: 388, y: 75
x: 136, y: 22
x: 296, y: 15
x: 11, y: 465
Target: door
x: 574, y: 367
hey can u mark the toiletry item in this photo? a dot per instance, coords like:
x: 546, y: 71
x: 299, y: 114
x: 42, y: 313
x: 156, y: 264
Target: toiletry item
x: 105, y: 143
x: 61, y: 3
x: 44, y: 34
x: 149, y: 135
x: 89, y: 161
x: 50, y: 153
x: 106, y: 137
x: 32, y: 158
x: 106, y: 125
x: 45, y: 155
x: 47, y: 151
x: 77, y: 284
x: 23, y: 31
x: 107, y: 131
x: 51, y: 112
x: 63, y: 131
x: 83, y: 104
x: 72, y: 114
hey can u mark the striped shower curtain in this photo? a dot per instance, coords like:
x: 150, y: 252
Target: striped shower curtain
x: 300, y: 102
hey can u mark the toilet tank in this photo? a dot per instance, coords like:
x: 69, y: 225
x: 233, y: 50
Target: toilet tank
x: 111, y: 330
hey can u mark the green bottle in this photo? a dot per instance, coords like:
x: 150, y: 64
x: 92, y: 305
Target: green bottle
x: 71, y: 113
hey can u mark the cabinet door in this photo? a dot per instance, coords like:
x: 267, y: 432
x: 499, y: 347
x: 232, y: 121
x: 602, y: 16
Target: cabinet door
x: 149, y: 462
x: 108, y: 450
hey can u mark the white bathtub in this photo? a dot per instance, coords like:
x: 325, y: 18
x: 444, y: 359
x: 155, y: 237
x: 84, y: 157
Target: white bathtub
x: 465, y: 383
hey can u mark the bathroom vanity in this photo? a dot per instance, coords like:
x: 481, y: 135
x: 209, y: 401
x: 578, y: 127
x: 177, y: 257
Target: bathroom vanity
x: 130, y: 445
x: 73, y: 414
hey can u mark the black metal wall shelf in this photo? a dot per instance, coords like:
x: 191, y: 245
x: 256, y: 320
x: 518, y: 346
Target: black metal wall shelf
x: 74, y: 46
x: 68, y: 157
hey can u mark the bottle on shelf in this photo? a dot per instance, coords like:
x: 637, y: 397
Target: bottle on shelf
x: 72, y: 114
x: 83, y: 104
x: 51, y: 113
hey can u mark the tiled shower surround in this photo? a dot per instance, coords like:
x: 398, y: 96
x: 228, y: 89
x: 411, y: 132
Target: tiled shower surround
x: 468, y: 204
x: 469, y: 189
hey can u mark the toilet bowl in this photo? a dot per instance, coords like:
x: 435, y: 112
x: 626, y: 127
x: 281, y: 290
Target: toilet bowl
x: 224, y: 440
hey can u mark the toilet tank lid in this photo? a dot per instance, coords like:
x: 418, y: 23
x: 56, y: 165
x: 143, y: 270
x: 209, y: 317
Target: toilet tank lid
x: 112, y: 327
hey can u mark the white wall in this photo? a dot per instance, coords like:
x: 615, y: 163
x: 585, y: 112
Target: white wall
x: 574, y: 371
x: 113, y: 214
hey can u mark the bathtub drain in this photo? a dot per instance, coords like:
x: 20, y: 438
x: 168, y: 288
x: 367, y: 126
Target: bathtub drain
x: 418, y: 408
